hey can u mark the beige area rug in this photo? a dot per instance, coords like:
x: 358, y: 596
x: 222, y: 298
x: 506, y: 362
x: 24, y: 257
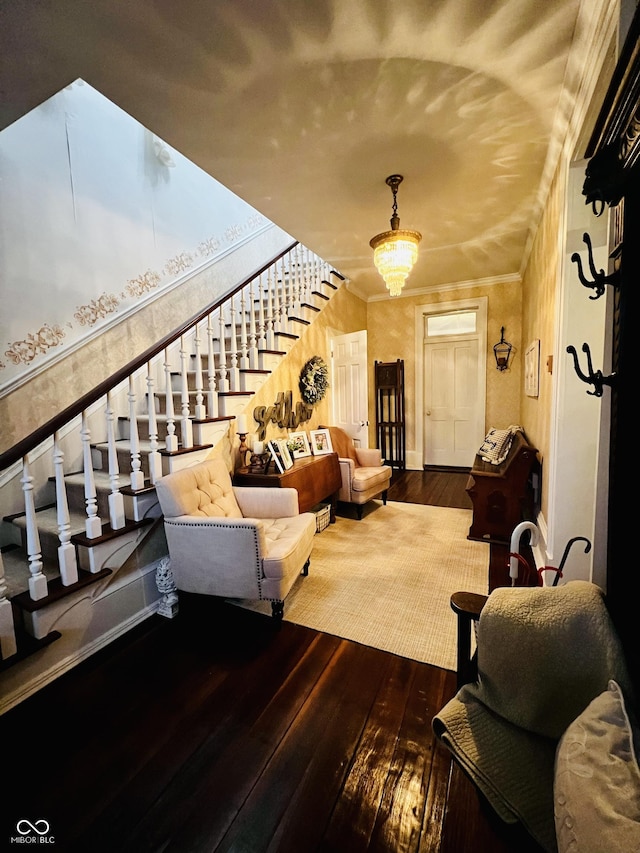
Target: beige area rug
x: 386, y: 581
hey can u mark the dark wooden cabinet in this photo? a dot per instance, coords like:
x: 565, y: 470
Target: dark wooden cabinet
x: 390, y: 426
x: 315, y: 478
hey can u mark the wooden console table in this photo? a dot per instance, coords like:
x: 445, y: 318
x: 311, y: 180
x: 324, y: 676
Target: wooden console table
x: 315, y: 478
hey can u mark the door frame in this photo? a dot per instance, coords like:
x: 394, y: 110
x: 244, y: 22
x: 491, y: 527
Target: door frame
x: 415, y: 457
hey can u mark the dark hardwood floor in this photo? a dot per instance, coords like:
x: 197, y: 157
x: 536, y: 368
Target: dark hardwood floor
x: 220, y: 731
x: 437, y: 487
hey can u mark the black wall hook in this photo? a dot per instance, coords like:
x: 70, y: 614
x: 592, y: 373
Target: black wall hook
x: 600, y: 279
x: 596, y: 379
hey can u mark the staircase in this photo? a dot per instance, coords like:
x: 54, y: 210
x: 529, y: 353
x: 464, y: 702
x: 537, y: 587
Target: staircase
x: 74, y: 532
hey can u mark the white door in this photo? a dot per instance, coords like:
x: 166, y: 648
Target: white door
x: 350, y: 398
x: 454, y: 416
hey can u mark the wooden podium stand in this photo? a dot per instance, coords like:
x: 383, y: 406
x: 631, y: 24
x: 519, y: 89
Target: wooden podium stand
x: 315, y: 478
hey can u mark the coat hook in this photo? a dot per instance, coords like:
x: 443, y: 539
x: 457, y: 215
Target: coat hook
x: 596, y: 379
x: 599, y: 278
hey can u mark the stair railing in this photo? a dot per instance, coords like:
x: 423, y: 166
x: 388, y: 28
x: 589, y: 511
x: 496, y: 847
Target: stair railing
x: 281, y: 285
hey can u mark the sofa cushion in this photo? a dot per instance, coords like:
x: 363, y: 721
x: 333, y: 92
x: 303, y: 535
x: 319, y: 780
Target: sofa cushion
x: 203, y: 490
x: 367, y: 478
x: 288, y: 542
x: 597, y: 779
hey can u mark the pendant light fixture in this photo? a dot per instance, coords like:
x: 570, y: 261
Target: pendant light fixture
x: 396, y: 251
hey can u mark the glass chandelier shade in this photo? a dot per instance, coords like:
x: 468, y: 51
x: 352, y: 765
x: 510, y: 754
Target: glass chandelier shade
x: 395, y: 251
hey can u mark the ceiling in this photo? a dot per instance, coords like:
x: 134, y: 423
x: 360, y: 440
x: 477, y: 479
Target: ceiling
x: 303, y: 107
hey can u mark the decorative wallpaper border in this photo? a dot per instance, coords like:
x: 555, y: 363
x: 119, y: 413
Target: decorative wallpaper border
x: 49, y: 337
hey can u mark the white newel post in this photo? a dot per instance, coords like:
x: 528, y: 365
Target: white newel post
x: 8, y: 645
x: 37, y: 581
x: 67, y: 559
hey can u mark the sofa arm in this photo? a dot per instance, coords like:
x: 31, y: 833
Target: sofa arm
x: 369, y: 457
x: 347, y: 467
x: 266, y: 502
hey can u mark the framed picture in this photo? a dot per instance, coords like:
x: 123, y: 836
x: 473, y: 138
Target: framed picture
x: 287, y: 461
x: 276, y: 455
x: 299, y: 444
x: 320, y: 441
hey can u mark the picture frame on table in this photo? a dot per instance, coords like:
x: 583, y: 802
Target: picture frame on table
x: 273, y: 447
x: 287, y: 461
x: 320, y: 441
x: 299, y: 445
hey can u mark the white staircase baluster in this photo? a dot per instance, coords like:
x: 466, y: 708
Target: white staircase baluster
x: 253, y: 339
x: 212, y: 394
x: 290, y: 299
x: 223, y: 384
x: 270, y: 318
x: 244, y: 347
x: 186, y: 426
x: 37, y: 581
x: 67, y: 559
x: 234, y: 372
x: 297, y: 286
x: 277, y: 306
x: 171, y: 441
x: 306, y: 276
x: 93, y: 524
x: 154, y: 458
x: 136, y: 478
x: 199, y: 411
x: 8, y: 645
x: 116, y: 501
x: 262, y: 329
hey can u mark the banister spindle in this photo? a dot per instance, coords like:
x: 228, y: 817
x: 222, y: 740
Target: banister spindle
x: 93, y: 524
x: 136, y: 478
x: 171, y: 441
x: 154, y: 458
x: 223, y: 384
x: 67, y: 559
x: 262, y: 329
x: 244, y: 347
x: 116, y: 501
x: 200, y: 411
x: 253, y: 339
x: 270, y: 318
x: 186, y: 426
x: 234, y: 372
x: 37, y: 581
x: 212, y: 394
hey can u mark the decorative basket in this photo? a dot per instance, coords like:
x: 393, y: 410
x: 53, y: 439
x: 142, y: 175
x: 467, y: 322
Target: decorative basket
x: 322, y: 513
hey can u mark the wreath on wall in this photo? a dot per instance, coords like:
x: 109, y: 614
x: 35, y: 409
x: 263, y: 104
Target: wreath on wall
x: 314, y: 380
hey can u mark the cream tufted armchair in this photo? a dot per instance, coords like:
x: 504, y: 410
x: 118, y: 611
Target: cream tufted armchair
x: 364, y: 477
x: 236, y: 542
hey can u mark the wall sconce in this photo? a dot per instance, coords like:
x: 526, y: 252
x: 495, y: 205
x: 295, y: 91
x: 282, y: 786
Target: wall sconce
x: 502, y: 352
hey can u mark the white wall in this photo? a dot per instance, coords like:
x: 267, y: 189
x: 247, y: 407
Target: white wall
x: 97, y: 217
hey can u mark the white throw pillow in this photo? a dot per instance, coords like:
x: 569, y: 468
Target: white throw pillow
x: 597, y: 780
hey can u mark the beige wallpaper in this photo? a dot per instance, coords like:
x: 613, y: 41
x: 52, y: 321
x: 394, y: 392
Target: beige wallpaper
x: 391, y: 325
x: 538, y: 316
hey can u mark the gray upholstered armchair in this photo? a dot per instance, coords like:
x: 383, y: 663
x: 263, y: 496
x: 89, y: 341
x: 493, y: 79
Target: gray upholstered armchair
x: 236, y: 542
x: 364, y: 477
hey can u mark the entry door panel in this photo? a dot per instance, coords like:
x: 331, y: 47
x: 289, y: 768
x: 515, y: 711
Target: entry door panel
x: 451, y: 384
x: 350, y: 395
